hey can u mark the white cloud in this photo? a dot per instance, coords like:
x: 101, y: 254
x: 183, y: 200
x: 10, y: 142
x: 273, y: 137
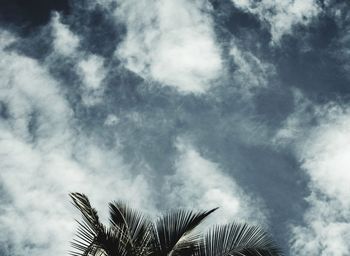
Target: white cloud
x: 281, y: 15
x: 92, y: 73
x: 43, y: 158
x: 324, y: 153
x: 200, y: 184
x: 89, y: 67
x: 6, y: 39
x: 111, y: 120
x: 65, y: 42
x: 171, y: 42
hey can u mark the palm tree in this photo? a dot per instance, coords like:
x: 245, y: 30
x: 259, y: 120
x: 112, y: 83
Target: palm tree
x: 131, y: 233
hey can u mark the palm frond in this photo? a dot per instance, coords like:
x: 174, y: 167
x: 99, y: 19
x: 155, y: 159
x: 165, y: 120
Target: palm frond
x: 112, y: 242
x: 84, y: 242
x: 238, y: 240
x: 133, y: 224
x: 172, y: 232
x: 82, y: 203
x: 88, y: 229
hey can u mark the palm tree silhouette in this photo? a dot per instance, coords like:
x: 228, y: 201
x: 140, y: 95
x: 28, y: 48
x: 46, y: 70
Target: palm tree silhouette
x: 131, y: 233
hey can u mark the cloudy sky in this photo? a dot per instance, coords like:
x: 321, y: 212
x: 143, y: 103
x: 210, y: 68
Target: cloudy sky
x: 240, y: 104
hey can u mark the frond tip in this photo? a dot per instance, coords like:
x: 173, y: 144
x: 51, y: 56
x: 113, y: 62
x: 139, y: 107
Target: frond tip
x: 239, y: 240
x: 82, y: 203
x: 173, y: 231
x: 88, y: 230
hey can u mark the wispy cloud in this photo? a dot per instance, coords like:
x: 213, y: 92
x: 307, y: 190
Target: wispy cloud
x: 281, y: 16
x: 92, y: 73
x: 88, y: 67
x: 339, y: 12
x: 251, y: 72
x: 200, y: 183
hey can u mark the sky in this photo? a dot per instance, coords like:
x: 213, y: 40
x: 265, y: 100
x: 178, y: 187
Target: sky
x: 166, y: 104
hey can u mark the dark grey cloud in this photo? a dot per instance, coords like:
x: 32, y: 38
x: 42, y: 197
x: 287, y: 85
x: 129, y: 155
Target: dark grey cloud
x: 26, y: 15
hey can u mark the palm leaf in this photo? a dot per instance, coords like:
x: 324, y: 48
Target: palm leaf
x: 112, y: 242
x: 88, y: 229
x: 172, y: 232
x: 84, y: 243
x: 82, y: 203
x: 134, y: 225
x: 238, y: 240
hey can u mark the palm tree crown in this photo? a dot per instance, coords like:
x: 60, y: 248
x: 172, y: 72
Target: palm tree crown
x: 131, y: 233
